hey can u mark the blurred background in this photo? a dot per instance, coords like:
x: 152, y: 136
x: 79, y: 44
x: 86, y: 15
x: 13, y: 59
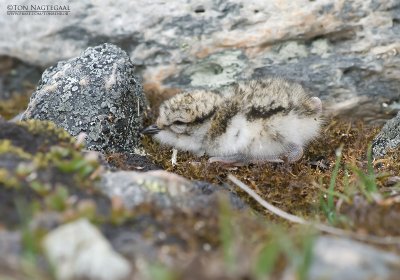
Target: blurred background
x: 347, y: 52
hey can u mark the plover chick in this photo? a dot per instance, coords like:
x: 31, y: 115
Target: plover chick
x: 250, y: 121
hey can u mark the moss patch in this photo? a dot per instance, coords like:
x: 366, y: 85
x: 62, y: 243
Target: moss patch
x: 34, y: 136
x: 41, y: 164
x: 12, y: 107
x: 296, y: 188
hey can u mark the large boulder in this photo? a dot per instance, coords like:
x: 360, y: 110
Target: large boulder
x: 95, y: 93
x: 346, y: 51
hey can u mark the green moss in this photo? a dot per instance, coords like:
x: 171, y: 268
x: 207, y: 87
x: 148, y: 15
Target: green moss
x: 57, y: 200
x: 12, y: 107
x: 45, y: 166
x: 40, y: 188
x: 7, y: 147
x: 49, y: 129
x: 8, y: 179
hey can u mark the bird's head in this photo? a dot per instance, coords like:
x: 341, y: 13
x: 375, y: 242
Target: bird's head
x: 184, y: 120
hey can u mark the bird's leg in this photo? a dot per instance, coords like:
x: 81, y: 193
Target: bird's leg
x: 234, y: 160
x: 240, y: 160
x: 267, y: 159
x: 295, y: 153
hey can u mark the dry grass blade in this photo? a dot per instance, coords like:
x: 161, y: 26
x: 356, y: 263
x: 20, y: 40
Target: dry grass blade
x: 389, y: 240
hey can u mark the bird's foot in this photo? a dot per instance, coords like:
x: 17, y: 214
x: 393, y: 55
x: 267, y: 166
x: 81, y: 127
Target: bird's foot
x: 317, y: 103
x: 295, y: 153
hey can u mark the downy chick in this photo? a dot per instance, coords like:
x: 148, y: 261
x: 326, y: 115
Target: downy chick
x: 250, y: 121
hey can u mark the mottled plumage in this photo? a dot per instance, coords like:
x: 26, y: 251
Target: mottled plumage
x: 250, y: 121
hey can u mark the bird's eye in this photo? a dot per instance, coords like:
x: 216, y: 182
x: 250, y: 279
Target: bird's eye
x: 179, y: 122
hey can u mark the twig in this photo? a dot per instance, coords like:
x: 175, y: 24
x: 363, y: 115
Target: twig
x: 389, y: 240
x: 174, y: 157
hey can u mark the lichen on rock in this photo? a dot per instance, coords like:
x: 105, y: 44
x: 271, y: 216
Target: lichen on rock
x: 388, y: 138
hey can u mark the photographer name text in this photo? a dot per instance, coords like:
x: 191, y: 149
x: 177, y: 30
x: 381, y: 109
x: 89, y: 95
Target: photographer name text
x: 38, y: 9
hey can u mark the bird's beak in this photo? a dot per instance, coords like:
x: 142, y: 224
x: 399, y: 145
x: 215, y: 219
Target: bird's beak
x: 152, y: 129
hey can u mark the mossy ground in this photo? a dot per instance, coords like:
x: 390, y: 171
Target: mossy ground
x: 18, y: 82
x: 41, y: 166
x: 46, y: 180
x: 13, y: 106
x: 299, y: 187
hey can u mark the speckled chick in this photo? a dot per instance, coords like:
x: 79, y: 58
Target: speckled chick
x: 250, y: 121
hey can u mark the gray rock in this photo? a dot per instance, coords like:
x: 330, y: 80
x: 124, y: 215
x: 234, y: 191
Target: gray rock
x: 95, y: 93
x: 172, y: 221
x: 336, y: 258
x: 354, y: 85
x: 347, y: 52
x: 388, y: 138
x: 10, y: 249
x: 17, y: 77
x: 213, y: 71
x: 162, y: 189
x: 79, y: 251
